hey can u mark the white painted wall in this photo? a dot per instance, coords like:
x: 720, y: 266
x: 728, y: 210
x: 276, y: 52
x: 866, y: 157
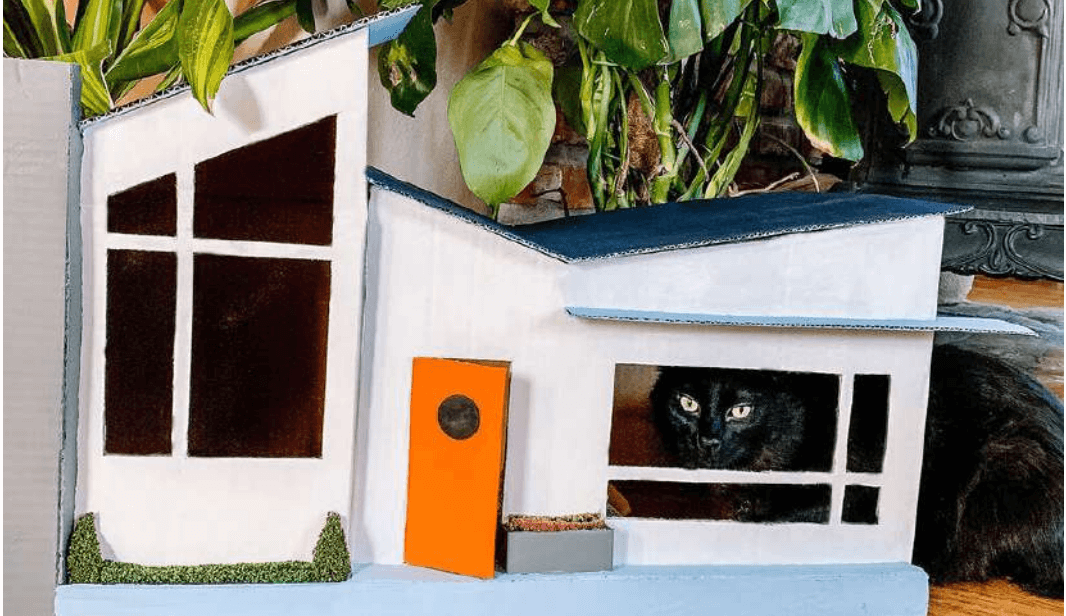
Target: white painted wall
x: 180, y: 510
x: 442, y: 287
x: 870, y: 271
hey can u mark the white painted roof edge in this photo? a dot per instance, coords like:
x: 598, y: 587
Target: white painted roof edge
x: 382, y: 27
x: 942, y: 322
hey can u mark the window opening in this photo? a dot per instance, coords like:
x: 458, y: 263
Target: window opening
x: 258, y: 356
x: 869, y: 423
x: 139, y: 356
x: 860, y: 504
x: 692, y: 420
x: 150, y: 208
x: 770, y: 503
x: 276, y: 190
x: 722, y: 418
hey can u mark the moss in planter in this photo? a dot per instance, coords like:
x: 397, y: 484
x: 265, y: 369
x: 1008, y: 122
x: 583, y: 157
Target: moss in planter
x: 331, y: 563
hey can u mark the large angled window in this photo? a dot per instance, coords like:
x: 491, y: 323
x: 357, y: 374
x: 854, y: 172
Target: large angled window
x: 218, y: 303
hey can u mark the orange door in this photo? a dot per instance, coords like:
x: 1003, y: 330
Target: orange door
x: 458, y: 414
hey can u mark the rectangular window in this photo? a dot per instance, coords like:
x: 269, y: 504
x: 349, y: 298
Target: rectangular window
x: 717, y: 443
x: 258, y: 356
x: 869, y: 423
x: 139, y: 356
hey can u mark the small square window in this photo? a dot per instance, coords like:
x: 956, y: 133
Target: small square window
x: 258, y: 356
x: 860, y: 505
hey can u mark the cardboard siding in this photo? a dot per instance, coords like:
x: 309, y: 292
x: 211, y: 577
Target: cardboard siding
x: 438, y: 286
x: 881, y: 270
x: 40, y: 169
x: 177, y: 509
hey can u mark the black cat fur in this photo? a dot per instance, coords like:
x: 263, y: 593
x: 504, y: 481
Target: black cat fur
x: 991, y: 497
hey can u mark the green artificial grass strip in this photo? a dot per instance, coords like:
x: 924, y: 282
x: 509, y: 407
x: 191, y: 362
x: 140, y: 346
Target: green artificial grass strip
x: 331, y: 563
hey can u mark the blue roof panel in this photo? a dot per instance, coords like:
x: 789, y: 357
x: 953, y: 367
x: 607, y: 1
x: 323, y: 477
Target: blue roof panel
x: 690, y: 224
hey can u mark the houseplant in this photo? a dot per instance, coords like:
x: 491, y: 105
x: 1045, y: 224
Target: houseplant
x: 187, y: 39
x: 664, y: 93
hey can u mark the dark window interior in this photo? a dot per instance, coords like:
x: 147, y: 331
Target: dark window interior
x: 860, y: 505
x: 741, y: 502
x: 792, y: 426
x: 258, y: 356
x: 276, y: 190
x: 139, y: 357
x: 150, y: 208
x: 869, y: 423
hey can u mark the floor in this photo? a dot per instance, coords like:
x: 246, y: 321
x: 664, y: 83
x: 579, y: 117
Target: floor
x: 1000, y: 598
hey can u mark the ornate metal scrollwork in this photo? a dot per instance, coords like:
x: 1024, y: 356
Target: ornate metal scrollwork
x: 967, y: 121
x: 1018, y: 22
x: 926, y: 22
x: 999, y: 253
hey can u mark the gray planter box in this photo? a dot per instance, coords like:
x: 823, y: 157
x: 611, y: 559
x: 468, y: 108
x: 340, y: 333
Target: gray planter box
x: 565, y: 551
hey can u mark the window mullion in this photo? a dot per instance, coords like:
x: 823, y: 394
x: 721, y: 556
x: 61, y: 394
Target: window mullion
x: 183, y: 322
x: 840, y: 452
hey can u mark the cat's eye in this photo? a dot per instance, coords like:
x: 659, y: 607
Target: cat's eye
x: 689, y: 404
x: 739, y: 411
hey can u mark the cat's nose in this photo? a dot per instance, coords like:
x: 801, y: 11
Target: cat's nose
x: 712, y: 443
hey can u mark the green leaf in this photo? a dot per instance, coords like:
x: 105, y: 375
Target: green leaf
x: 685, y: 31
x: 305, y: 15
x: 542, y: 6
x: 129, y: 23
x: 12, y: 48
x: 62, y: 27
x: 883, y: 43
x: 566, y: 91
x: 42, y: 20
x: 822, y: 102
x: 502, y: 118
x: 628, y: 31
x: 154, y: 49
x: 261, y: 17
x: 833, y: 17
x: 20, y: 36
x: 95, y: 97
x: 205, y: 46
x: 407, y: 65
x: 99, y: 23
x: 718, y: 14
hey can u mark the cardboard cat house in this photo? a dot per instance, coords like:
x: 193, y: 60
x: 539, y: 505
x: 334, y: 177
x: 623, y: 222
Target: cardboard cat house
x: 266, y: 337
x: 838, y: 291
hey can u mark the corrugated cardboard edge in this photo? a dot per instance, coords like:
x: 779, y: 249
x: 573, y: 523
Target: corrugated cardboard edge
x: 942, y: 322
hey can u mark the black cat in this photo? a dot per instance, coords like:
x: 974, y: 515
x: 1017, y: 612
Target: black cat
x: 991, y: 497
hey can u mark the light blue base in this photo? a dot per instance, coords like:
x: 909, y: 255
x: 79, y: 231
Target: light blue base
x: 891, y: 589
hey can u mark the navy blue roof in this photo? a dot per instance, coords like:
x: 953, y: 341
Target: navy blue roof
x: 671, y: 226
